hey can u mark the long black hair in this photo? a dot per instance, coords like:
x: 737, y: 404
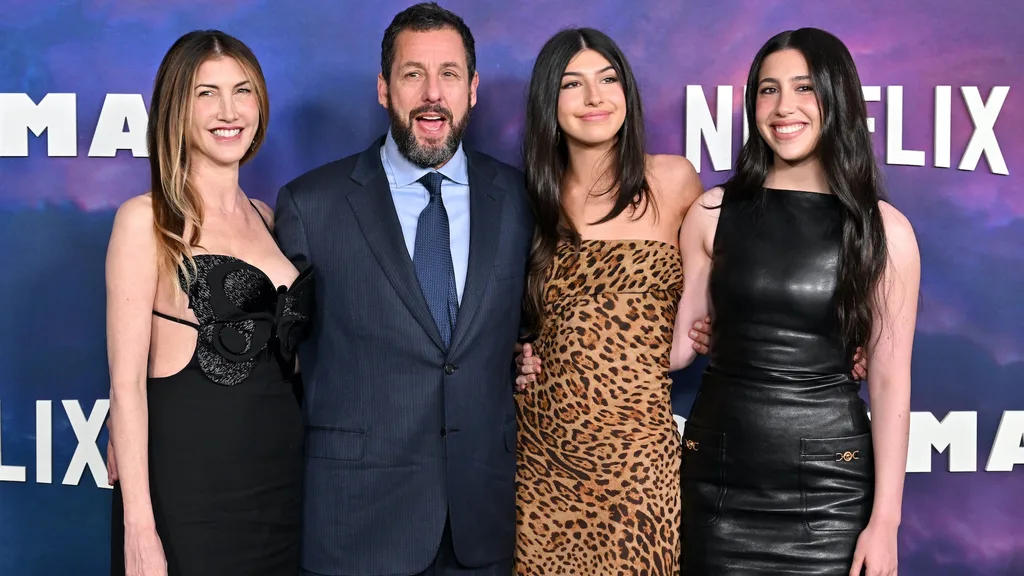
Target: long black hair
x: 847, y: 159
x: 545, y: 154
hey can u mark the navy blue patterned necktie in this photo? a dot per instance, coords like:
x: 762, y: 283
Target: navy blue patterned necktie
x: 432, y: 257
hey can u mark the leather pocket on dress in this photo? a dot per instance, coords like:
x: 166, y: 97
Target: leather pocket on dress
x: 703, y: 474
x: 837, y: 482
x: 335, y: 443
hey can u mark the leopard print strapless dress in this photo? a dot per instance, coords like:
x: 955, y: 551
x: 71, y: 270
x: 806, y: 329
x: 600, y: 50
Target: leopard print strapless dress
x: 599, y: 453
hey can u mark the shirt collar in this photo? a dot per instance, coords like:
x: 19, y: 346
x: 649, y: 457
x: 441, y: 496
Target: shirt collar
x: 405, y: 172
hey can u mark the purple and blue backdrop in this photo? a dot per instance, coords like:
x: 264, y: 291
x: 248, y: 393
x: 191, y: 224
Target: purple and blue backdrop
x: 75, y: 82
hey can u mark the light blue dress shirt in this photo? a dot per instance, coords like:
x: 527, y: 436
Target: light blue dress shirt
x: 411, y: 197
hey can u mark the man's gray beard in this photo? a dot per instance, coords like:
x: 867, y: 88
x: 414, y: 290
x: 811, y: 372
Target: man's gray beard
x: 426, y: 156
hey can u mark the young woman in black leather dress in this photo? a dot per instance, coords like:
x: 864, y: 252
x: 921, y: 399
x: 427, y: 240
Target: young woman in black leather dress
x: 799, y: 260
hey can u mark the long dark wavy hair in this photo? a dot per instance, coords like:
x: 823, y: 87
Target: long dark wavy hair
x: 545, y: 155
x: 847, y: 159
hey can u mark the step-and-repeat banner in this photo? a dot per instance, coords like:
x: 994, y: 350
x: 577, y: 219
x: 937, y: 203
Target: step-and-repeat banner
x: 942, y: 80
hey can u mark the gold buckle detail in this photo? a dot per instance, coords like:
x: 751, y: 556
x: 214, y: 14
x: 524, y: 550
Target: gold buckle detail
x: 847, y: 456
x: 691, y: 445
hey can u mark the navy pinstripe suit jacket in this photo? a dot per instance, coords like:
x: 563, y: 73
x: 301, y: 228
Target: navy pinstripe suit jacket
x: 400, y: 433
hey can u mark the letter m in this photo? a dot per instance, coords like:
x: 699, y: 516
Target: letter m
x: 55, y: 115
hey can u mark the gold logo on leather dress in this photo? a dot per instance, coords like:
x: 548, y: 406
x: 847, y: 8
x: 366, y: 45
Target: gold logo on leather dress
x: 691, y: 445
x: 847, y: 456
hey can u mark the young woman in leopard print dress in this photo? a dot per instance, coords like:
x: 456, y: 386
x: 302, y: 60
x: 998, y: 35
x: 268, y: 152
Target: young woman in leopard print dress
x: 598, y: 451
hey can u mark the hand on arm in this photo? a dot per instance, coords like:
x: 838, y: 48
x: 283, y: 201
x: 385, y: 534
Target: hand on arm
x: 696, y: 237
x: 527, y: 367
x: 700, y: 333
x: 860, y: 365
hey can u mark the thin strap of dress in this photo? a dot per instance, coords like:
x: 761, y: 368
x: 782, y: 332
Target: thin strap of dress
x: 173, y: 319
x: 262, y: 219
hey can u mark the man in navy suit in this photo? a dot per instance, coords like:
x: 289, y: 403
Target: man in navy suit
x: 420, y: 248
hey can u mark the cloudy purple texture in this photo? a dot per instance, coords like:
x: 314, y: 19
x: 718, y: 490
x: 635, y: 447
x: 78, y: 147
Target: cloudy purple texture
x: 321, y: 60
x: 317, y: 57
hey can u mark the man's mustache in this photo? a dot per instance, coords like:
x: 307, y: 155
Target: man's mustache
x: 434, y: 108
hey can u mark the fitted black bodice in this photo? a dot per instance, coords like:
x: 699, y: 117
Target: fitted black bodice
x: 773, y: 285
x: 243, y: 318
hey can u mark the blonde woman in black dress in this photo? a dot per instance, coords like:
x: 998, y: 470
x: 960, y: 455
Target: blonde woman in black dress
x: 203, y: 317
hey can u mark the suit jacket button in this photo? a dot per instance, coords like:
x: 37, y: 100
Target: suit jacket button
x: 444, y: 431
x: 449, y: 369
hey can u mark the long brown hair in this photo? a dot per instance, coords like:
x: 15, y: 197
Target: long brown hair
x: 176, y: 205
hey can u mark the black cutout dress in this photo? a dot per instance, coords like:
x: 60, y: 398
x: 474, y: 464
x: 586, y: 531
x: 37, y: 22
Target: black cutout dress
x: 226, y: 432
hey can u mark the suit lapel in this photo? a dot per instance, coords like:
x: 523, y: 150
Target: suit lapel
x: 374, y: 209
x: 485, y: 205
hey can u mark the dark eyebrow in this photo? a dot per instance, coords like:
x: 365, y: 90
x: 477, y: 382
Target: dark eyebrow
x: 794, y: 79
x: 242, y: 83
x: 605, y: 69
x: 420, y: 65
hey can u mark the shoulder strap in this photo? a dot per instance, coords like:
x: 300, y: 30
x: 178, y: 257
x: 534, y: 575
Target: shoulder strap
x: 262, y: 219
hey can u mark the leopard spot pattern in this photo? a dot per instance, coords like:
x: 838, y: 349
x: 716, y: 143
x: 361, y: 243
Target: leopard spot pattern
x: 598, y: 485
